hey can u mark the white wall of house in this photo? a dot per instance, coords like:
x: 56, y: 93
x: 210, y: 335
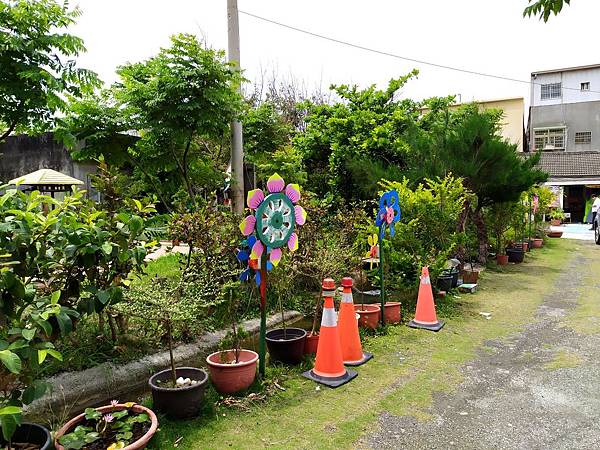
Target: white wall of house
x: 572, y: 80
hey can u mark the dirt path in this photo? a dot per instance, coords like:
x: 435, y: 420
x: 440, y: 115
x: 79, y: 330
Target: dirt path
x: 539, y: 389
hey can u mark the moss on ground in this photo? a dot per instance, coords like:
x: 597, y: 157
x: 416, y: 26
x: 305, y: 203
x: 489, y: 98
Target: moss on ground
x: 585, y: 318
x: 409, y: 367
x: 564, y: 359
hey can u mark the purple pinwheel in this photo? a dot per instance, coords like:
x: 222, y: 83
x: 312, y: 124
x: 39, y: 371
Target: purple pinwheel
x: 389, y: 213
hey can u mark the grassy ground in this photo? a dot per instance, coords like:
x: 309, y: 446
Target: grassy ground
x: 409, y: 367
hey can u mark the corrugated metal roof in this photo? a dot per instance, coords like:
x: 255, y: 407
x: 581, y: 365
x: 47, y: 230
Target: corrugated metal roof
x: 571, y: 164
x: 566, y: 69
x: 46, y: 177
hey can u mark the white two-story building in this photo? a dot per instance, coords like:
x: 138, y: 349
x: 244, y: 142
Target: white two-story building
x: 564, y: 122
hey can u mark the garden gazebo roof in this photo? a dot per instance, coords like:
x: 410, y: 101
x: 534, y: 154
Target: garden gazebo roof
x: 47, y: 180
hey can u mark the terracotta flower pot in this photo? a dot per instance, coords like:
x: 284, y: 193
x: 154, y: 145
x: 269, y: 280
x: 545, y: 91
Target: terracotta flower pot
x: 229, y: 377
x: 137, y: 445
x: 311, y: 343
x: 178, y: 403
x: 369, y: 315
x: 525, y: 246
x: 555, y: 222
x: 538, y: 243
x: 555, y: 234
x: 502, y: 260
x: 392, y: 312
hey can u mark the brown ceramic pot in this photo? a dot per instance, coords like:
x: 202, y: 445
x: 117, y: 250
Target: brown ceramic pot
x: 555, y: 234
x: 137, y: 445
x: 369, y: 315
x: 392, y: 312
x: 538, y: 243
x: 502, y: 260
x: 311, y: 343
x: 555, y: 222
x: 470, y: 276
x: 228, y: 377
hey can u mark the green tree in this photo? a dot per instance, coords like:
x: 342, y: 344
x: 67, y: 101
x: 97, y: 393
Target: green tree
x: 544, y: 8
x: 177, y: 104
x: 467, y: 143
x: 369, y: 125
x: 37, y: 63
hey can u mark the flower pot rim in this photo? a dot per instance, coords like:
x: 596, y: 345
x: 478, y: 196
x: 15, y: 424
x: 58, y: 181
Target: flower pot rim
x: 391, y: 304
x: 109, y: 408
x: 231, y: 365
x: 46, y: 445
x: 200, y: 384
x: 293, y: 339
x: 375, y: 308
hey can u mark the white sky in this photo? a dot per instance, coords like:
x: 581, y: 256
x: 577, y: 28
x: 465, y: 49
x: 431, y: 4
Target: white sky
x: 482, y: 35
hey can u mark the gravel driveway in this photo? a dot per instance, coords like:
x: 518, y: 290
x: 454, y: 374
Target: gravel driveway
x: 539, y: 389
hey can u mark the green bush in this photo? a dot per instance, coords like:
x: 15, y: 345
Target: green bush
x: 426, y: 234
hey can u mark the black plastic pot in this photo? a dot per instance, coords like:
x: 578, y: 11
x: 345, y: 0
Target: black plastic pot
x: 515, y: 255
x: 179, y: 403
x: 288, y: 349
x: 444, y: 282
x: 31, y: 433
x: 454, y: 274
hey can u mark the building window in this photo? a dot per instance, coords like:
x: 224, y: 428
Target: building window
x: 585, y: 86
x: 583, y: 137
x: 552, y: 90
x: 549, y: 139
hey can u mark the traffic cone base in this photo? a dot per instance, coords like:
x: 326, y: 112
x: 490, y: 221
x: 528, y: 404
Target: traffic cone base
x: 366, y: 357
x: 436, y: 326
x: 332, y: 382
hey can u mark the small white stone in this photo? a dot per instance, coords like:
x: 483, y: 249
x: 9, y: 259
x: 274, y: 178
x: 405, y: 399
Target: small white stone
x: 187, y: 381
x: 180, y: 381
x: 194, y: 382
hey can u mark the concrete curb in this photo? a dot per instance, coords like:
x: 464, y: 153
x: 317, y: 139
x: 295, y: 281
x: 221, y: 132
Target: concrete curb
x: 72, y: 392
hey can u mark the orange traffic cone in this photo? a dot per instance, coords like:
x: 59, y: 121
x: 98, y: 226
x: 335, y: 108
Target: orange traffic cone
x: 329, y: 366
x: 348, y: 324
x: 425, y: 315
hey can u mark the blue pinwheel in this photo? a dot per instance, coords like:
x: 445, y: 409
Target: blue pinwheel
x: 245, y: 255
x: 389, y: 213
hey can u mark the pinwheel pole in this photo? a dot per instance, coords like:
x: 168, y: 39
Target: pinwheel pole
x: 388, y: 214
x: 381, y: 280
x: 262, y: 351
x: 271, y: 226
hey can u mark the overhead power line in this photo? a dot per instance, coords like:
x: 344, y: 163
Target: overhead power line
x: 405, y: 58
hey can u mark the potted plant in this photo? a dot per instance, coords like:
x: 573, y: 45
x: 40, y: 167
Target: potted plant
x: 177, y: 392
x: 556, y: 217
x: 369, y: 314
x: 285, y: 344
x: 232, y: 369
x: 116, y: 426
x: 497, y: 219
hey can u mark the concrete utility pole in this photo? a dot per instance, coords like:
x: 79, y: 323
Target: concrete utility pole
x: 237, y: 145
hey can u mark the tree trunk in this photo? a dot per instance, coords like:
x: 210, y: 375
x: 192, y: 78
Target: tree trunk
x: 482, y: 237
x: 461, y: 226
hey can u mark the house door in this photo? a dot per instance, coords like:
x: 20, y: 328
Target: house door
x: 575, y: 202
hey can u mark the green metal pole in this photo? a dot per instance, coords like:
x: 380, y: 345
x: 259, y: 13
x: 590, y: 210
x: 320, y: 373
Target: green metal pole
x: 262, y: 351
x: 381, y: 281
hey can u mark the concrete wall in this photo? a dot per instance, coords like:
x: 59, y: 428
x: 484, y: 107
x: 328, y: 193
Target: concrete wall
x: 20, y: 155
x: 569, y: 79
x: 575, y: 116
x: 512, y: 123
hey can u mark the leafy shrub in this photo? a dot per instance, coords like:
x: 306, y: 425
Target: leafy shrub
x: 426, y: 234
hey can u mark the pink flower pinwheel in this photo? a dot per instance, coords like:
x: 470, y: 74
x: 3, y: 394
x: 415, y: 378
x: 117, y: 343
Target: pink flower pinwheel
x: 275, y: 218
